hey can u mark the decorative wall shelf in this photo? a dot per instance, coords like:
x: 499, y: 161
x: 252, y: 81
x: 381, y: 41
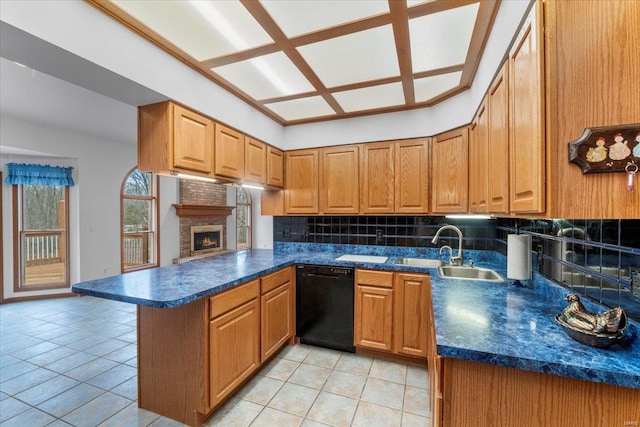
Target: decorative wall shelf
x: 185, y: 210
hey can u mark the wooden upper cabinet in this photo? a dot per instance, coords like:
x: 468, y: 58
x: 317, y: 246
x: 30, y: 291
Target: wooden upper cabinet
x: 527, y: 138
x: 478, y: 162
x: 498, y: 143
x: 275, y: 167
x: 449, y: 171
x: 412, y: 176
x: 339, y: 179
x: 302, y: 180
x: 255, y: 161
x: 172, y: 138
x: 192, y: 140
x: 597, y: 85
x: 229, y: 153
x: 377, y: 178
x: 410, y: 324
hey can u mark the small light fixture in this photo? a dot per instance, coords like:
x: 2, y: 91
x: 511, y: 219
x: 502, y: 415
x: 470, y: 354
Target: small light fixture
x: 468, y: 216
x: 255, y: 187
x: 192, y: 177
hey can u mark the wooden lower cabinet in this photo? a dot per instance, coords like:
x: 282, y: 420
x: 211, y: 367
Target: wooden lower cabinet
x: 374, y: 316
x: 482, y: 395
x: 410, y: 321
x: 191, y: 358
x: 234, y: 349
x: 277, y: 311
x: 391, y: 312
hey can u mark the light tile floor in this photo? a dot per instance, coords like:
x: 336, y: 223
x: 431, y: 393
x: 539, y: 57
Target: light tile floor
x: 72, y: 361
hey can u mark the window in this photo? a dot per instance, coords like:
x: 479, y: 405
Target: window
x: 243, y: 219
x: 41, y: 236
x: 138, y: 208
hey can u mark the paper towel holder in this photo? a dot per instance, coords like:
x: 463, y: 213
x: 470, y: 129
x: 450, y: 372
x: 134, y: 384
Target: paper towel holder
x: 519, y: 258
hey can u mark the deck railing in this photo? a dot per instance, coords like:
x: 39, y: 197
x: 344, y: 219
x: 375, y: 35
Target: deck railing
x: 42, y: 246
x: 135, y: 249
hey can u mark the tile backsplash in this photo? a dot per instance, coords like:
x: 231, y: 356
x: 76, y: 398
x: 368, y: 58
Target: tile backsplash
x: 594, y: 258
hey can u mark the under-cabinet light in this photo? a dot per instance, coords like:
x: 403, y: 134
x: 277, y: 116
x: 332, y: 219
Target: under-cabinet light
x: 255, y: 187
x: 468, y: 216
x: 192, y: 177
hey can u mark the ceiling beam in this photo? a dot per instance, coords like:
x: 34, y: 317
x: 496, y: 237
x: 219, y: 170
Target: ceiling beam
x: 400, y: 24
x: 484, y: 21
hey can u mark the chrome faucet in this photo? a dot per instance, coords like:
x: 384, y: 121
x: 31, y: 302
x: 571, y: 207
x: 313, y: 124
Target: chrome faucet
x: 457, y: 260
x: 447, y: 248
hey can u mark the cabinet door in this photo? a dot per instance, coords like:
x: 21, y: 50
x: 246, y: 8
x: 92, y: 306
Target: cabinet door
x: 193, y: 136
x: 449, y: 171
x: 277, y: 318
x: 234, y: 340
x: 373, y: 317
x: 339, y: 180
x: 377, y: 183
x: 301, y: 192
x: 527, y: 141
x: 412, y: 176
x: 478, y: 162
x: 498, y: 182
x: 229, y: 153
x: 410, y: 319
x: 255, y: 161
x: 275, y: 167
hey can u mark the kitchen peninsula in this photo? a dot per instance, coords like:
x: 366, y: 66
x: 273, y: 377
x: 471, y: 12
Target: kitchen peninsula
x: 482, y: 332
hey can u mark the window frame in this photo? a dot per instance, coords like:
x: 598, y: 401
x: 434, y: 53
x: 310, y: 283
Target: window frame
x: 249, y: 225
x: 154, y: 198
x: 18, y: 225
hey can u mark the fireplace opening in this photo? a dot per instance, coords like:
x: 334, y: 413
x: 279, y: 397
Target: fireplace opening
x: 206, y: 238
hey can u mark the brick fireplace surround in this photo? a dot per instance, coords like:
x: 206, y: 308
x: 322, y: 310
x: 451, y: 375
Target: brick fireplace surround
x: 202, y: 193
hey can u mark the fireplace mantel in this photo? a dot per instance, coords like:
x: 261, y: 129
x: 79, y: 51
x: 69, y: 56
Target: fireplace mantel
x: 185, y: 210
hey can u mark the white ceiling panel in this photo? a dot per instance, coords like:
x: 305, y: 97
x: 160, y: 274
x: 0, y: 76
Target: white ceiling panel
x: 362, y: 56
x: 265, y: 77
x: 371, y: 97
x: 202, y: 28
x: 430, y: 87
x: 300, y: 17
x: 441, y: 39
x: 296, y: 109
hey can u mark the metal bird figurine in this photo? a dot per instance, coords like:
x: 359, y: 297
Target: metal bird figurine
x: 577, y: 316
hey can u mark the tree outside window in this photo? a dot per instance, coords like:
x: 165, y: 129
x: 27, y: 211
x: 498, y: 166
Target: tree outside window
x: 243, y: 219
x: 139, y: 204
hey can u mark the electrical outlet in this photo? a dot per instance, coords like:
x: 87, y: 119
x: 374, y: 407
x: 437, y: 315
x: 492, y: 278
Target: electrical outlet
x: 286, y: 232
x: 634, y: 272
x: 379, y: 235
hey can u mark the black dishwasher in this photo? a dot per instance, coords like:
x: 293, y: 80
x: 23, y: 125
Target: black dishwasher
x: 324, y: 306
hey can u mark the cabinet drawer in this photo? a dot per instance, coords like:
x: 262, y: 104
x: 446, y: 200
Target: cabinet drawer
x: 228, y: 300
x: 382, y: 279
x: 273, y: 280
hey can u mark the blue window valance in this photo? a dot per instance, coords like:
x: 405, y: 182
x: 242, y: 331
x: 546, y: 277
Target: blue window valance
x: 21, y: 173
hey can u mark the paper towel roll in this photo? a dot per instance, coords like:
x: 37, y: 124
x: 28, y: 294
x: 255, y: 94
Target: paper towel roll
x: 519, y: 256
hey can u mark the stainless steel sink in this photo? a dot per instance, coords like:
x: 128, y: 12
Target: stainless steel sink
x: 419, y: 262
x: 469, y: 273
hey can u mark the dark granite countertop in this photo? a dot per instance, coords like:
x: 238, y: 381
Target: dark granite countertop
x: 495, y: 323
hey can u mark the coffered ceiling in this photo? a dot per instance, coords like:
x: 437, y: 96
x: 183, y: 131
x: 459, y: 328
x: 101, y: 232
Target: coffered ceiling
x: 302, y: 61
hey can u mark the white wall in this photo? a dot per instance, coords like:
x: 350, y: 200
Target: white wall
x: 99, y: 169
